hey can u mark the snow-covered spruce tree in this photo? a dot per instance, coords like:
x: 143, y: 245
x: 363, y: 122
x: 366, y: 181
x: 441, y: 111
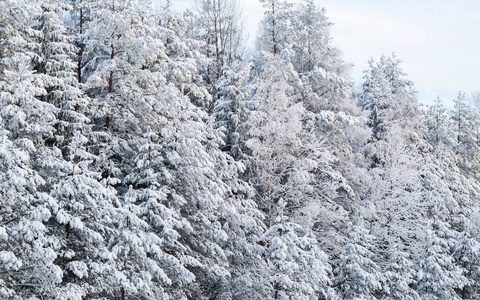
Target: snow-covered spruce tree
x: 27, y: 122
x: 399, y: 216
x: 154, y: 203
x: 230, y: 115
x: 396, y: 193
x: 357, y: 276
x: 450, y: 197
x: 453, y: 195
x: 395, y: 119
x: 448, y: 202
x: 85, y: 219
x: 159, y: 205
x: 402, y: 248
x: 465, y: 128
x: 450, y: 188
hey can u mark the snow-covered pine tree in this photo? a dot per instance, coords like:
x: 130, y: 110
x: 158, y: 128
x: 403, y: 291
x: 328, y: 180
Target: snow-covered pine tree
x: 27, y: 122
x: 230, y: 109
x: 186, y: 189
x: 467, y: 257
x: 27, y: 251
x: 185, y: 58
x: 399, y: 277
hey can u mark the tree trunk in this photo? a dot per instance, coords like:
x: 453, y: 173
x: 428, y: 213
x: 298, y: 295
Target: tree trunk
x: 274, y: 39
x: 81, y: 47
x: 110, y: 86
x: 110, y: 79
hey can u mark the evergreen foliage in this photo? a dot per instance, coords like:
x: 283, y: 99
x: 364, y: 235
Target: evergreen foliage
x: 144, y: 156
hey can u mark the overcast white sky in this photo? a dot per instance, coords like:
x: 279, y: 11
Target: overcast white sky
x: 438, y: 40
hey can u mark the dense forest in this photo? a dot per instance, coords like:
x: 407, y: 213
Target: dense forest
x: 150, y: 154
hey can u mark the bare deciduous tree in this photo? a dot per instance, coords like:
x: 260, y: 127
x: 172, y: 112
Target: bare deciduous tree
x: 220, y: 26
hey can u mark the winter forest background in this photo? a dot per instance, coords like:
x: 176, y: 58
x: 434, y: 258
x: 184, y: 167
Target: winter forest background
x: 145, y: 155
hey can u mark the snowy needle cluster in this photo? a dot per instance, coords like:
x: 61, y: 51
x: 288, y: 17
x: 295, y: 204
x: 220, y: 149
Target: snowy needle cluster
x: 144, y: 155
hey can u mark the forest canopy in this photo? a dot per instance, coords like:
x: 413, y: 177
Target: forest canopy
x: 145, y: 155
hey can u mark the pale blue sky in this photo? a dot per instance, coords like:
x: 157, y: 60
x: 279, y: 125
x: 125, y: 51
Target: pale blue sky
x: 438, y: 40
